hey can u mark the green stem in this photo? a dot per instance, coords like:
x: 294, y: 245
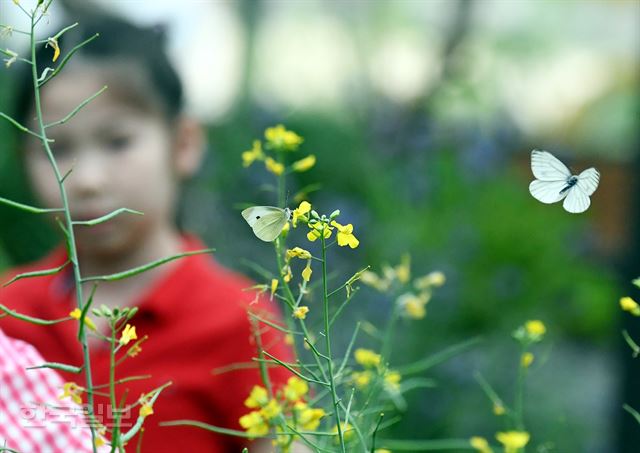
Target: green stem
x: 388, y: 334
x: 115, y: 438
x: 327, y: 336
x: 519, y: 398
x: 264, y: 374
x: 73, y: 254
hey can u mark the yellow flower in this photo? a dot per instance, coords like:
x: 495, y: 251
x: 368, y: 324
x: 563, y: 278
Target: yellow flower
x: 288, y: 339
x: 361, y: 379
x: 286, y: 273
x: 308, y: 418
x: 255, y: 424
x: 414, y: 306
x: 274, y: 167
x: 271, y: 410
x: 257, y: 398
x: 372, y: 279
x: 526, y: 360
x: 73, y: 391
x: 535, y: 329
x: 300, y: 211
x: 498, y: 409
x: 480, y: 444
x: 304, y: 164
x: 298, y: 252
x: 367, y: 358
x: 433, y: 279
x: 128, y: 334
x: 146, y: 409
x: 317, y: 231
x: 255, y: 153
x: 513, y: 440
x: 280, y: 138
x: 630, y: 305
x: 75, y: 314
x: 403, y: 270
x: 295, y: 389
x: 53, y: 42
x: 392, y: 379
x: 300, y: 312
x: 306, y: 273
x: 347, y: 431
x: 345, y: 235
x: 102, y: 431
x: 274, y: 286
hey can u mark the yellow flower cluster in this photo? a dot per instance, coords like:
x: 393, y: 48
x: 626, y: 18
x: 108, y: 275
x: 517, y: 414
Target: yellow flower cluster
x: 76, y: 313
x: 73, y: 391
x: 373, y: 367
x: 413, y: 302
x: 512, y: 441
x: 323, y: 226
x: 630, y: 305
x: 532, y: 331
x: 278, y: 139
x: 128, y: 334
x: 146, y: 407
x: 288, y: 407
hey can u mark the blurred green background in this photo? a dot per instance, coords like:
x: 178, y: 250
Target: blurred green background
x: 422, y: 115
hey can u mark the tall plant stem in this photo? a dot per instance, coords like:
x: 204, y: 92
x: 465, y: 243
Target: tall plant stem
x: 73, y: 254
x: 327, y: 336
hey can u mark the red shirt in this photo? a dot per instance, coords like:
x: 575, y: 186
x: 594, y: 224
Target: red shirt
x: 196, y: 319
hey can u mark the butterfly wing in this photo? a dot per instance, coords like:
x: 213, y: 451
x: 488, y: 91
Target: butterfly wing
x: 577, y: 200
x: 588, y: 181
x: 266, y: 222
x: 546, y: 167
x: 548, y: 191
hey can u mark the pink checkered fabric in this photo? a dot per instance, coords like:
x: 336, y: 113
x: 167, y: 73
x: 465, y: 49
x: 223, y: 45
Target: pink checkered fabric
x: 32, y: 417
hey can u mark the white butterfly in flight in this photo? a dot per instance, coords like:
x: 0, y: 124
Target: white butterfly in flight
x: 266, y: 222
x: 555, y: 182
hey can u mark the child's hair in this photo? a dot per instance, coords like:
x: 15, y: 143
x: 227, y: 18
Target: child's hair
x: 142, y: 50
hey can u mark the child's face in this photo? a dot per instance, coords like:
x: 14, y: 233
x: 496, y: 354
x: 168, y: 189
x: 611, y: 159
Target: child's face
x: 119, y: 156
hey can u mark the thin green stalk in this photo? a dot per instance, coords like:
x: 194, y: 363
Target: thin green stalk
x: 115, y: 438
x: 264, y: 374
x: 388, y: 334
x: 290, y: 299
x: 327, y: 336
x: 519, y: 397
x: 73, y: 254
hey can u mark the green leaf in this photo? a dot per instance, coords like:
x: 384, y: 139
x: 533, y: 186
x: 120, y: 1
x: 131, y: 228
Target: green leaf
x: 109, y: 216
x: 58, y: 366
x: 41, y: 273
x: 436, y: 359
x: 26, y: 207
x: 215, y: 429
x: 143, y: 268
x: 632, y: 411
x: 427, y: 445
x: 31, y: 319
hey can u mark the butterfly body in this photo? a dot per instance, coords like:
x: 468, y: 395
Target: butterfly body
x: 266, y: 222
x: 572, y: 181
x: 554, y: 182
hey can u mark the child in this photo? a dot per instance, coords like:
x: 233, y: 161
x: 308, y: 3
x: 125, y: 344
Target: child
x: 131, y: 147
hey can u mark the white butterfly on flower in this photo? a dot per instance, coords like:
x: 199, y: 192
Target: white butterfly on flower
x: 555, y: 182
x: 266, y: 222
